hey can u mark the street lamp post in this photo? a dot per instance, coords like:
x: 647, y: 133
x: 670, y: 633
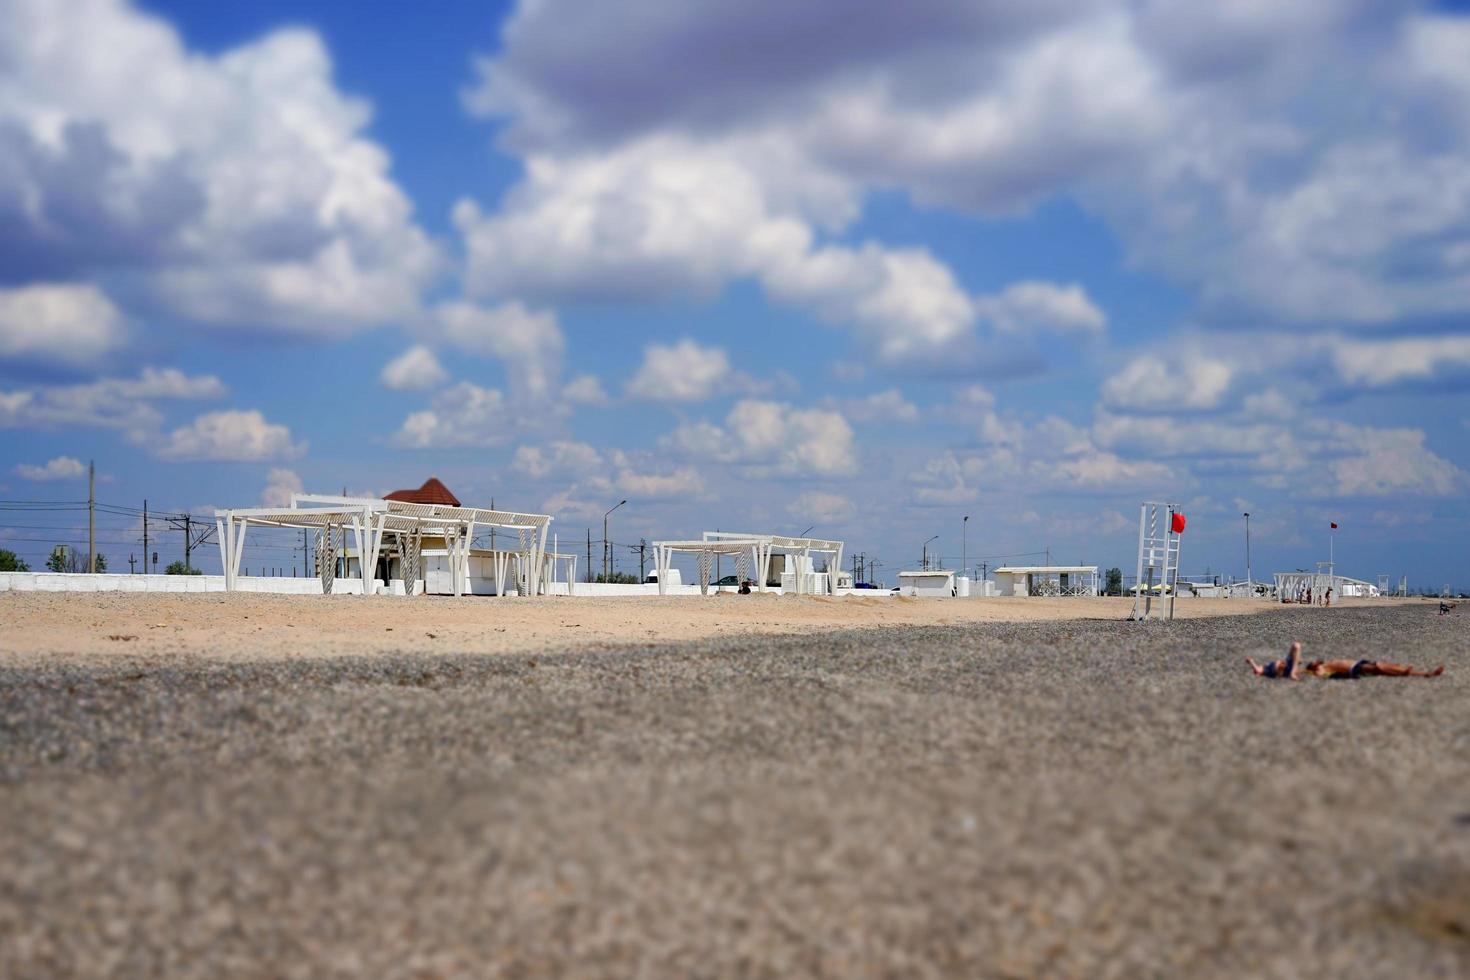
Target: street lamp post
x: 965, y: 546
x: 924, y: 560
x: 606, y: 546
x: 1249, y: 582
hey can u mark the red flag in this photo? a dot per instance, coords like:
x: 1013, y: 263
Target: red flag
x: 1178, y: 524
x: 1334, y: 525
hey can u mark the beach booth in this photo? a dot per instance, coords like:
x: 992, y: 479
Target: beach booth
x: 927, y: 582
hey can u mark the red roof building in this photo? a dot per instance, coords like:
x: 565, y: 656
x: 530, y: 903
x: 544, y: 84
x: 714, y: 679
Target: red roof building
x: 432, y: 492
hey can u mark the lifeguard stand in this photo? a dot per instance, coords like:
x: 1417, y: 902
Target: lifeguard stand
x: 1158, y: 560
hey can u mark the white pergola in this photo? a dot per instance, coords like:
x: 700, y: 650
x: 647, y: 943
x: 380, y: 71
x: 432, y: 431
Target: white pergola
x: 743, y: 549
x: 369, y: 519
x: 786, y: 544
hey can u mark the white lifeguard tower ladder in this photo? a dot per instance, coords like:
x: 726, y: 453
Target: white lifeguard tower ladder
x: 1158, y: 560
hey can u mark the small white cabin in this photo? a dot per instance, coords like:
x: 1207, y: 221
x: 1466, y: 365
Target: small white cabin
x: 926, y: 583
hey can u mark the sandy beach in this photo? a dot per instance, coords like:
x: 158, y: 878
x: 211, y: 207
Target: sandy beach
x: 41, y: 628
x: 273, y: 786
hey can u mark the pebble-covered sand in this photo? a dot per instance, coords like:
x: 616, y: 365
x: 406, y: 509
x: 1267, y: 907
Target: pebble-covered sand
x: 1088, y: 798
x: 46, y: 628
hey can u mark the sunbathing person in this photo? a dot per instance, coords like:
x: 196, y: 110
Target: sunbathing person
x: 1349, y: 670
x: 1284, y: 669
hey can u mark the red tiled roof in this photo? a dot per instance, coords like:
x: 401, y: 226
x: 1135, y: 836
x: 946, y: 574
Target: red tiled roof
x: 432, y: 492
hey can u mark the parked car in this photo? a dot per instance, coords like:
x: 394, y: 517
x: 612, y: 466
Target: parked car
x: 730, y: 580
x: 864, y: 585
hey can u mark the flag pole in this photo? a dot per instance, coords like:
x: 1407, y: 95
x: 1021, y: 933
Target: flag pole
x: 1332, y: 558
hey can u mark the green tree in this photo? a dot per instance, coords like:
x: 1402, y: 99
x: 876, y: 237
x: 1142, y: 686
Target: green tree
x: 1114, y: 584
x: 617, y: 578
x: 68, y: 559
x: 179, y: 568
x: 11, y: 562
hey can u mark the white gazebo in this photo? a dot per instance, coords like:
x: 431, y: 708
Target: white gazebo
x: 804, y: 580
x: 371, y: 519
x: 743, y: 549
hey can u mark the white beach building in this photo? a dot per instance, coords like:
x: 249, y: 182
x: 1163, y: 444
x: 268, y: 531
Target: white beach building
x: 927, y: 583
x: 1047, y: 580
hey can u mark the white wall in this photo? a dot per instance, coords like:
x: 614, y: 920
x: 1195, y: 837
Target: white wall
x: 123, y: 582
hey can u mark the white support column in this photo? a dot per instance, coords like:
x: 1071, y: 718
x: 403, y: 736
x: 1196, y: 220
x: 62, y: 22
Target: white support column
x: 452, y: 544
x: 661, y: 560
x: 836, y: 568
x: 376, y: 536
x: 540, y: 555
x: 765, y: 565
x: 357, y: 542
x: 224, y: 561
x: 238, y: 542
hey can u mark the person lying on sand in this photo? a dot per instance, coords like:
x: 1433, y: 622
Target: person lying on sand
x: 1285, y: 668
x: 1289, y: 668
x: 1353, y: 669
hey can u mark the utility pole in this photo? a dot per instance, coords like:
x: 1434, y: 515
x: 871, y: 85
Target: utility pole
x: 642, y: 546
x: 145, y: 536
x: 185, y: 522
x: 589, y: 554
x: 1249, y: 585
x: 132, y: 564
x: 91, y: 517
x: 607, y: 544
x: 965, y: 546
x: 306, y: 556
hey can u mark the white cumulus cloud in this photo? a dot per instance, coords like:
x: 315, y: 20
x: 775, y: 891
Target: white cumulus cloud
x: 1035, y: 306
x: 69, y: 324
x: 773, y: 436
x: 280, y: 484
x: 1149, y: 381
x: 239, y: 186
x: 232, y: 436
x: 414, y: 370
x: 528, y: 342
x: 60, y: 468
x: 683, y: 371
x: 465, y: 415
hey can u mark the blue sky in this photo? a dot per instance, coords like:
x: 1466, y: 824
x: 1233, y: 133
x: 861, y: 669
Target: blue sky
x: 750, y: 266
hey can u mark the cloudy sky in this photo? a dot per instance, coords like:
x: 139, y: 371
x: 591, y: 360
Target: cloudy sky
x: 754, y: 265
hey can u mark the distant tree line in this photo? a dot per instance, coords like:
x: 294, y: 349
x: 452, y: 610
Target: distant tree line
x: 64, y: 559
